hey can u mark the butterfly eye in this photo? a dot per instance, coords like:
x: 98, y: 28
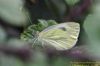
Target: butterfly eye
x: 63, y: 28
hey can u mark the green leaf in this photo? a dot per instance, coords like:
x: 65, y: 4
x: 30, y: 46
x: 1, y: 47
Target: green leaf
x: 92, y: 23
x: 16, y: 43
x: 92, y: 28
x: 10, y: 61
x: 32, y: 30
x: 43, y: 23
x: 12, y: 11
x: 72, y: 2
x: 51, y: 22
x: 61, y: 61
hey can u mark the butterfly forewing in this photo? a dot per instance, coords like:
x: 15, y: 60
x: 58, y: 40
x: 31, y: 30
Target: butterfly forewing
x: 62, y: 36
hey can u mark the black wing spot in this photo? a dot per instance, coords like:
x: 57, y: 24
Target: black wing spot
x: 64, y: 29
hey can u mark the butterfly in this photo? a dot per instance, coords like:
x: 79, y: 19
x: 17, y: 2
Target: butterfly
x: 61, y: 36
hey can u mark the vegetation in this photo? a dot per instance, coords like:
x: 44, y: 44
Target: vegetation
x: 19, y: 18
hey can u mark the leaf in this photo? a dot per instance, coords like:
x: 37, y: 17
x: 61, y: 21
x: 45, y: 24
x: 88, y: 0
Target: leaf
x: 10, y: 61
x: 61, y: 61
x: 16, y: 43
x: 43, y: 22
x: 12, y: 11
x: 72, y: 2
x: 32, y: 30
x: 51, y: 22
x: 92, y: 23
x: 92, y: 28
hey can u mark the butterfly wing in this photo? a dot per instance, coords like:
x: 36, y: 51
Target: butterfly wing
x: 62, y: 36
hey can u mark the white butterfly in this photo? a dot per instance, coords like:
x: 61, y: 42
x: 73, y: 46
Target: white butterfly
x: 61, y: 36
